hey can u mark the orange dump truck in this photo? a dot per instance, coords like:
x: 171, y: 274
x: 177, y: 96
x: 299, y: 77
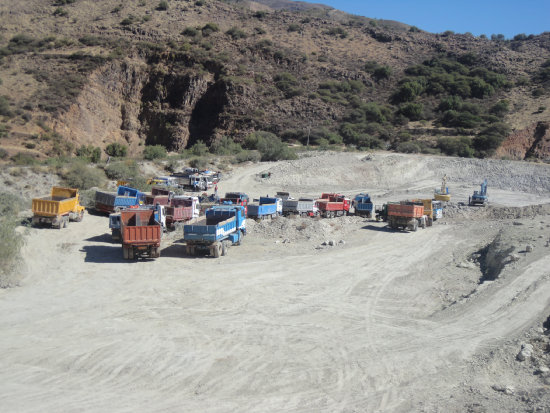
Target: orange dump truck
x: 406, y: 215
x: 57, y: 209
x: 141, y: 233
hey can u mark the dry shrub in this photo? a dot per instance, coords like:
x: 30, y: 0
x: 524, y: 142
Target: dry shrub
x: 10, y: 239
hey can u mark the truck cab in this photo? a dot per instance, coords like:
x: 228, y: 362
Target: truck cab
x: 236, y: 198
x: 187, y: 201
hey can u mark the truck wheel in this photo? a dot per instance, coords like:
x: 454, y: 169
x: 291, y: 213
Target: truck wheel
x: 224, y: 248
x: 125, y: 253
x: 217, y: 250
x: 415, y: 226
x: 35, y: 221
x: 65, y: 222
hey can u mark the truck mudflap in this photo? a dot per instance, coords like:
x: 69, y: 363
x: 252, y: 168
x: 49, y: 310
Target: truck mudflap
x: 132, y: 252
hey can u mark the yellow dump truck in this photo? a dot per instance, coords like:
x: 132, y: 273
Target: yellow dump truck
x: 432, y: 209
x: 56, y: 210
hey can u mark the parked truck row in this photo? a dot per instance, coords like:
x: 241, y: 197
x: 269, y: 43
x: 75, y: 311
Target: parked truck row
x: 138, y: 220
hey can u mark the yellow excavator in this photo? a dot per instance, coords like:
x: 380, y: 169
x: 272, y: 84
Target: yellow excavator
x: 443, y: 193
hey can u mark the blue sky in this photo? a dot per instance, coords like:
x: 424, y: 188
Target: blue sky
x: 477, y: 17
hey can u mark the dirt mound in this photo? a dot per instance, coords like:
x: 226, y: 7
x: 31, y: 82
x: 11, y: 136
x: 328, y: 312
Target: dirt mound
x: 296, y: 229
x: 460, y: 211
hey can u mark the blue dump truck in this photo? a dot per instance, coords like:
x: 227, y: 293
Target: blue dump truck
x: 124, y: 197
x: 363, y: 205
x: 268, y: 207
x: 221, y: 226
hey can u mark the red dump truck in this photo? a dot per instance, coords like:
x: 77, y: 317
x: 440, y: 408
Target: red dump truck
x: 141, y: 233
x: 333, y: 205
x: 182, y: 208
x: 160, y: 196
x: 406, y: 215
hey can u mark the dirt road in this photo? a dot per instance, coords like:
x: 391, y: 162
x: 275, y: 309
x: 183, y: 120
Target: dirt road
x: 383, y: 322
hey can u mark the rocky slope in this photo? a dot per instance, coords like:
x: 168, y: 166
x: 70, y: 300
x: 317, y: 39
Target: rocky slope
x: 91, y: 72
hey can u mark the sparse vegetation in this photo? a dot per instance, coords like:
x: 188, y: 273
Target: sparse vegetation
x: 236, y: 33
x: 152, y: 152
x: 116, y: 149
x: 90, y: 153
x: 270, y: 146
x: 10, y: 239
x: 81, y: 176
x: 162, y: 6
x: 209, y: 28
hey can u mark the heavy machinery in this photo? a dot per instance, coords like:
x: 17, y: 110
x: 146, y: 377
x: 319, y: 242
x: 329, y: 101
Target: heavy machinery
x: 363, y: 205
x: 479, y: 197
x: 432, y: 209
x: 333, y: 205
x: 443, y: 193
x: 124, y: 197
x: 57, y: 209
x: 268, y: 207
x: 406, y: 215
x: 141, y: 233
x: 222, y: 226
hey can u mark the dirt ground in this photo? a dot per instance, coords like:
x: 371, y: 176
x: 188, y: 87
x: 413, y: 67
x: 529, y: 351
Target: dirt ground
x: 383, y: 321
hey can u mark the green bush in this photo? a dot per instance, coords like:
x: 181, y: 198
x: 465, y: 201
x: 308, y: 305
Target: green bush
x: 408, y: 147
x: 501, y: 108
x: 200, y: 162
x: 122, y: 170
x: 90, y: 152
x: 270, y: 146
x: 10, y: 239
x: 81, y: 176
x: 60, y: 12
x: 413, y: 111
x: 3, y: 154
x: 225, y: 146
x: 293, y: 27
x: 247, y: 156
x: 151, y: 152
x: 163, y: 5
x: 337, y: 31
x: 236, y: 33
x: 209, y: 28
x: 456, y: 146
x: 5, y: 106
x: 199, y: 149
x: 190, y: 31
x: 21, y: 158
x: 116, y: 149
x: 287, y: 84
x: 381, y: 72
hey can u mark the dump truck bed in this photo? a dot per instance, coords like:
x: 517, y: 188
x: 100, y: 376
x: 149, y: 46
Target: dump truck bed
x: 60, y: 202
x: 139, y: 227
x: 406, y: 210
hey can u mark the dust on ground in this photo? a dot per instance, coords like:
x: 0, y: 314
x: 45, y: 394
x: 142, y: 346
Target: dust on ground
x: 307, y: 315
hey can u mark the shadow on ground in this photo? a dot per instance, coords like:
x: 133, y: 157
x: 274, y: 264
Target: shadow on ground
x: 103, y: 254
x: 102, y: 238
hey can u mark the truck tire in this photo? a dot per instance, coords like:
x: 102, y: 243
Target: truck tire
x: 217, y: 250
x: 415, y: 226
x: 65, y: 222
x: 225, y: 247
x: 79, y: 217
x: 125, y: 253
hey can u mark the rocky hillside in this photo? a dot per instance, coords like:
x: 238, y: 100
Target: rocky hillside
x: 178, y: 72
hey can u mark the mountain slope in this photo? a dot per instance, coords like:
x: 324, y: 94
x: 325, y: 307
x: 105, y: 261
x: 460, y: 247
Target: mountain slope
x: 93, y: 72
